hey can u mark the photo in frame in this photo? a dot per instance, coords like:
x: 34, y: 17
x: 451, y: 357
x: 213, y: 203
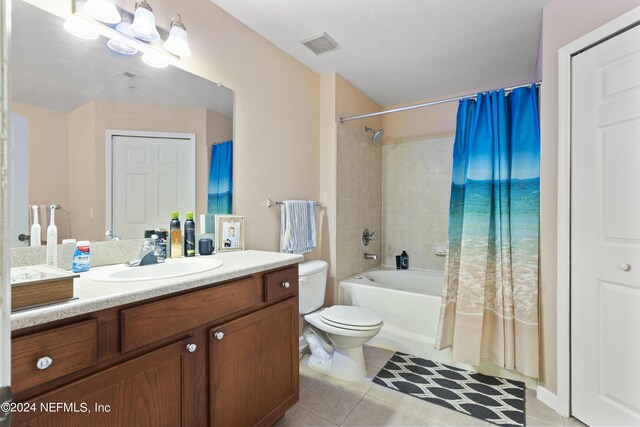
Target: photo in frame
x: 229, y: 233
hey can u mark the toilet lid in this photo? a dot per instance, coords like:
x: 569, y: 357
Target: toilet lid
x: 350, y: 317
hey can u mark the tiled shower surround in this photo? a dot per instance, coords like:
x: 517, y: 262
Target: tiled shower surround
x: 359, y: 194
x: 416, y: 184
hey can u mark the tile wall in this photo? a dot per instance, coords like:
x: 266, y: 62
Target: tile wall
x: 416, y: 183
x: 359, y: 202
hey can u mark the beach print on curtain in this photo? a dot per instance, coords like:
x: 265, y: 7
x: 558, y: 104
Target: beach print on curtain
x: 221, y: 179
x: 490, y: 297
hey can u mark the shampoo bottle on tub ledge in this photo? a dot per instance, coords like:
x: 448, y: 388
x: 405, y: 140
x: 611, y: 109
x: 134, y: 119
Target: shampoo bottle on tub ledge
x: 404, y: 260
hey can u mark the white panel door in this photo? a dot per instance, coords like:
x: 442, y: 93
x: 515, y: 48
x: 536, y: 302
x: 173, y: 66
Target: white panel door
x: 605, y: 232
x: 151, y: 177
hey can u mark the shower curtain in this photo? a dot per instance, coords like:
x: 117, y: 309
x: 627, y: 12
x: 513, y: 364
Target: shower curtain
x: 490, y: 297
x: 221, y: 179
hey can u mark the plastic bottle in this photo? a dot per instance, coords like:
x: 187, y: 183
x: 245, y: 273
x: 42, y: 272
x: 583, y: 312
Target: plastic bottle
x: 404, y: 260
x: 175, y: 236
x: 52, y: 239
x: 81, y: 257
x: 189, y: 236
x: 36, y: 230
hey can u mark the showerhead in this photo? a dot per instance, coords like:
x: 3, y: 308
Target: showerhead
x: 377, y: 134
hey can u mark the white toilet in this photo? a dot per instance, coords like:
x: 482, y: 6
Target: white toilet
x: 335, y: 334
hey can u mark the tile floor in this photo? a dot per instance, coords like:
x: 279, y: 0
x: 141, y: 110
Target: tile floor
x: 325, y: 401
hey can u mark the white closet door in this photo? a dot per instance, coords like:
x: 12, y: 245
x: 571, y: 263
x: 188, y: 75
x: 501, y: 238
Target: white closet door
x: 151, y: 177
x: 605, y: 232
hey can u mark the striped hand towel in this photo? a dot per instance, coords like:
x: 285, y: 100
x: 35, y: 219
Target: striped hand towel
x: 298, y: 226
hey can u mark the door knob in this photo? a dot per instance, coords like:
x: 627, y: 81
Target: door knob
x: 624, y: 266
x: 286, y: 285
x: 191, y: 347
x: 219, y: 335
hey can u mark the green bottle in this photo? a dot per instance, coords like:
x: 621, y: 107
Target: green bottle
x: 189, y: 236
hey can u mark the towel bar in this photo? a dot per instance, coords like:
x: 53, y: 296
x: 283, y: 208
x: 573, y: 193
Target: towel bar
x: 272, y: 203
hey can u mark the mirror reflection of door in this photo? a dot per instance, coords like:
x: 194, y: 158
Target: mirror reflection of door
x: 19, y: 141
x: 152, y: 175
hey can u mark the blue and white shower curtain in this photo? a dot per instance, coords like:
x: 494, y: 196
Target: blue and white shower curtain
x: 490, y: 300
x: 220, y: 199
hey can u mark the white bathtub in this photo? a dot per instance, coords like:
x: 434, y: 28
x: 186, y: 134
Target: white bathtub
x: 409, y: 303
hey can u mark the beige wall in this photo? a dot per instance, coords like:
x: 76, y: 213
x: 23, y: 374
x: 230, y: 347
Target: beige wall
x: 48, y: 162
x: 429, y: 122
x: 351, y: 102
x: 416, y: 187
x: 563, y: 22
x: 276, y: 110
x: 328, y: 156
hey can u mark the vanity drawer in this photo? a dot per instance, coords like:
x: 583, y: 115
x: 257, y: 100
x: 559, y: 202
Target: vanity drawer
x: 69, y: 348
x: 155, y: 321
x: 281, y: 283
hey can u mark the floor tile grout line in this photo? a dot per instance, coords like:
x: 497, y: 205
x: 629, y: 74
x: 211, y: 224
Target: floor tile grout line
x: 352, y: 409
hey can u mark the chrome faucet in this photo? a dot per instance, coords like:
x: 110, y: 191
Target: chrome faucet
x: 370, y: 256
x: 147, y: 255
x: 367, y: 237
x: 110, y: 236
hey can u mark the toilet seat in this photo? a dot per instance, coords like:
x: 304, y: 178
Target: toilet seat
x: 350, y: 318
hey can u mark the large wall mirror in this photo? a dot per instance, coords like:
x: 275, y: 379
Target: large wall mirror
x: 89, y: 123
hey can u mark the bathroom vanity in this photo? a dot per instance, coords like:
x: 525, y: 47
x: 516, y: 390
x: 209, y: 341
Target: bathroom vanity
x: 216, y: 348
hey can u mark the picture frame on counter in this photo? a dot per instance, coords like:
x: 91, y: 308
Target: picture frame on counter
x: 229, y: 233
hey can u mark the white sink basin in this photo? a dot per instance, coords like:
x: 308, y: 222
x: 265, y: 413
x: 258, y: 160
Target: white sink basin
x: 166, y: 270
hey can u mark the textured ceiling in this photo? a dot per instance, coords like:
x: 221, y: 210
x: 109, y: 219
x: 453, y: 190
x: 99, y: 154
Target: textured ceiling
x: 398, y: 51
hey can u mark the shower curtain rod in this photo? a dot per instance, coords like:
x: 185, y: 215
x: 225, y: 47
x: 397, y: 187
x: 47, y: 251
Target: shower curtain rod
x: 427, y: 104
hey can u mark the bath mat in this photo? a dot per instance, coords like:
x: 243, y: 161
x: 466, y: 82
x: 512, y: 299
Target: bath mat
x: 496, y: 400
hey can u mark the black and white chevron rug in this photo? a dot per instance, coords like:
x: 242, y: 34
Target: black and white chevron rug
x: 496, y: 400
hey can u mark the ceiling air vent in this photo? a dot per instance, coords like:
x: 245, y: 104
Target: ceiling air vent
x: 321, y: 44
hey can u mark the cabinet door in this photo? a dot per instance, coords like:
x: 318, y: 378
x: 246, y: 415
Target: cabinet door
x: 145, y: 391
x: 254, y: 367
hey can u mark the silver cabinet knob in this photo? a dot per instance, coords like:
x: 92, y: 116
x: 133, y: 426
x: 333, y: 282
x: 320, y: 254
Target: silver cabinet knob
x: 219, y: 335
x: 191, y: 347
x: 286, y: 285
x: 44, y: 362
x: 624, y: 266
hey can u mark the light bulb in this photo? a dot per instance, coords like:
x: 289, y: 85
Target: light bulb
x: 144, y: 23
x: 120, y: 47
x: 155, y: 60
x: 103, y: 10
x: 177, y: 41
x: 81, y: 29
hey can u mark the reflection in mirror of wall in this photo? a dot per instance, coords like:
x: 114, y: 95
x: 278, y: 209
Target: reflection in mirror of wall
x: 71, y: 93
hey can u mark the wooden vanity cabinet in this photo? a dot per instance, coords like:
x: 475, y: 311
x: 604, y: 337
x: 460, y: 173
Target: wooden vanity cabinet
x: 223, y: 355
x: 145, y: 391
x: 252, y: 382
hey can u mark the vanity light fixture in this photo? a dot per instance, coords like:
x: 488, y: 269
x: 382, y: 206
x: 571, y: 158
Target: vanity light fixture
x: 177, y: 41
x: 133, y: 33
x: 144, y: 22
x: 103, y: 10
x: 81, y: 29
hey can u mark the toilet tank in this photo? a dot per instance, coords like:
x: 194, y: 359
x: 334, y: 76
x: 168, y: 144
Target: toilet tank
x: 312, y: 277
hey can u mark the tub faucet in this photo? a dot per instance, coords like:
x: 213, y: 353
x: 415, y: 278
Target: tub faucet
x: 370, y: 256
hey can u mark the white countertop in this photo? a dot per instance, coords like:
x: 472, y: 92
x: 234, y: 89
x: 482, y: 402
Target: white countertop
x: 94, y: 296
